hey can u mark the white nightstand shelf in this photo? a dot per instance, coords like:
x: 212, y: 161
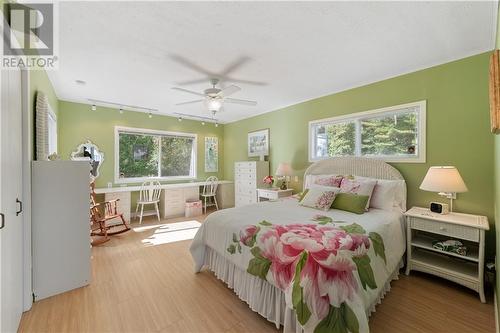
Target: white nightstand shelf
x: 424, y: 226
x: 272, y: 194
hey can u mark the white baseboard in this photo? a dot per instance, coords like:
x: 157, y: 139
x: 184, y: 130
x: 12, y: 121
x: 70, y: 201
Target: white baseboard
x: 495, y: 304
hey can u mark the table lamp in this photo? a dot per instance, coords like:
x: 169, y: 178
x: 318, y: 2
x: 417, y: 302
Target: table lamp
x: 445, y: 180
x: 284, y: 170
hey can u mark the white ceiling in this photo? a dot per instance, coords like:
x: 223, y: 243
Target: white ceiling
x: 126, y: 51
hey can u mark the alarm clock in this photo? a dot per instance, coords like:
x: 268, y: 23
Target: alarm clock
x: 440, y: 208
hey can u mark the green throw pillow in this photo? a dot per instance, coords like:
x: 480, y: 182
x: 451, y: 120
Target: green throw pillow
x: 350, y: 202
x: 303, y: 194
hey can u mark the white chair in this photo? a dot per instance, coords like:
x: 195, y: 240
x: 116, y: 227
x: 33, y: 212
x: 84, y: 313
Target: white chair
x: 209, y: 192
x: 149, y: 195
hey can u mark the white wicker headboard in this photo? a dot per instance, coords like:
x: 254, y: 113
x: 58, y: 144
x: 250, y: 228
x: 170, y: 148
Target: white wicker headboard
x: 358, y: 166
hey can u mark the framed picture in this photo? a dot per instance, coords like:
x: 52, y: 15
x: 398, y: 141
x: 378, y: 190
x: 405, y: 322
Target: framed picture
x: 495, y: 92
x: 258, y: 143
x: 211, y: 154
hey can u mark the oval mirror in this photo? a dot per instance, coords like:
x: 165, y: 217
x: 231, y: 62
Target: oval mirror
x: 88, y: 151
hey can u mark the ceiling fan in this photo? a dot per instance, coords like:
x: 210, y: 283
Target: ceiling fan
x: 215, y: 97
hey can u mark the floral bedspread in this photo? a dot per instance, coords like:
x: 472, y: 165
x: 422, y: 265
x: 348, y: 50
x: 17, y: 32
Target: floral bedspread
x: 329, y: 266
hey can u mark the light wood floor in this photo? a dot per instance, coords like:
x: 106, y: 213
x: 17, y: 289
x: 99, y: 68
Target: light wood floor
x: 137, y: 287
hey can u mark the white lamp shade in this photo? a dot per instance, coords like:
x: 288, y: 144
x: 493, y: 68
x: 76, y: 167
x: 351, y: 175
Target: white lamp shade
x: 284, y: 169
x: 445, y: 179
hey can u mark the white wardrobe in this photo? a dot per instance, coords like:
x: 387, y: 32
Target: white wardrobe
x: 61, y: 226
x: 247, y: 178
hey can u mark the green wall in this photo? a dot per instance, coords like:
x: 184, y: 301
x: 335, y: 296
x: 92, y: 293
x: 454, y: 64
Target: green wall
x: 457, y: 128
x: 77, y: 123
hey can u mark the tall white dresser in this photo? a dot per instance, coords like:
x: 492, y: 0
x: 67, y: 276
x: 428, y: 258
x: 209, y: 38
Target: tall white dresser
x: 247, y: 178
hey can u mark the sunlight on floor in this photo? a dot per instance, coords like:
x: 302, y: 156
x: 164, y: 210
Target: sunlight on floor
x: 169, y: 232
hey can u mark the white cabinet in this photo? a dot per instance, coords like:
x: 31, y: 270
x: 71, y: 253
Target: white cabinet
x: 247, y: 178
x: 172, y: 201
x: 60, y: 226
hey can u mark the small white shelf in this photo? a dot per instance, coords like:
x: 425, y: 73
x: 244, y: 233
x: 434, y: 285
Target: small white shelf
x: 446, y: 264
x: 425, y: 242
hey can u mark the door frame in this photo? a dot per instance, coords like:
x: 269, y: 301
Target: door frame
x: 27, y: 155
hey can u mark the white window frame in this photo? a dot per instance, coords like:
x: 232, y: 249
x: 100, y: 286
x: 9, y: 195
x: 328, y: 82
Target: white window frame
x: 421, y: 107
x: 51, y: 117
x: 119, y: 129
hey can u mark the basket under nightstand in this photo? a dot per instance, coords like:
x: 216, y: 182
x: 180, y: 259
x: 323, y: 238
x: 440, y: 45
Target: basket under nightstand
x: 423, y: 227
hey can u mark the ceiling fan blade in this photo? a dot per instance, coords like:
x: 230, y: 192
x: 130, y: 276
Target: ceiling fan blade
x: 240, y: 101
x: 190, y: 82
x: 190, y: 102
x: 189, y: 91
x: 254, y: 83
x: 234, y: 65
x: 229, y: 90
x: 191, y: 65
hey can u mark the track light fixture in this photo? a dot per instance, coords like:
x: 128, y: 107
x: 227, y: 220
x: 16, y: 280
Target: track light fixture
x: 216, y: 125
x: 121, y: 111
x: 150, y: 115
x: 202, y: 123
x: 179, y: 119
x: 93, y: 108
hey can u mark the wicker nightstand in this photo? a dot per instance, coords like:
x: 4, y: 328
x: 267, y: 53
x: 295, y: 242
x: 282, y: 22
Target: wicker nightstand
x: 423, y: 227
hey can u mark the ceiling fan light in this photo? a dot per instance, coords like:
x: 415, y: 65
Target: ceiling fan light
x: 214, y: 104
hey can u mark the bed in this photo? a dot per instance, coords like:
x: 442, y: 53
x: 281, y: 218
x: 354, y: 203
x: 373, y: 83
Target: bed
x: 304, y: 269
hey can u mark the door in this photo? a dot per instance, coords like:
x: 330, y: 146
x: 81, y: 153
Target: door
x: 11, y: 235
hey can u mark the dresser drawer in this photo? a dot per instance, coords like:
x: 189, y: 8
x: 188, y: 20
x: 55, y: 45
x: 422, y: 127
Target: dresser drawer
x: 242, y: 200
x: 245, y: 176
x: 246, y: 165
x: 448, y: 229
x: 246, y: 183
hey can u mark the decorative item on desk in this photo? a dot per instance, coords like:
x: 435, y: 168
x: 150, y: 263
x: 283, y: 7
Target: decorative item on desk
x: 440, y: 208
x: 445, y: 180
x: 284, y: 171
x: 268, y: 180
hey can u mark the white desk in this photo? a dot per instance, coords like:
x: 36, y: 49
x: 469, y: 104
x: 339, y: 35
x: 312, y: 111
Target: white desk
x: 172, y: 198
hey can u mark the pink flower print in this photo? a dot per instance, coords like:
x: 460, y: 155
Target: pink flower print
x: 334, y: 181
x: 247, y: 235
x: 325, y: 200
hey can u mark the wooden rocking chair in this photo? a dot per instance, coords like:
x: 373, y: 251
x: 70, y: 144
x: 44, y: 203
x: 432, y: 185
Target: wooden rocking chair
x: 102, y: 212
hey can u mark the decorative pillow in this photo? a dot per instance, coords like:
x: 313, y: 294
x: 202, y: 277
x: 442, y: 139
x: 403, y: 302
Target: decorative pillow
x: 330, y: 180
x: 351, y: 202
x: 320, y: 198
x: 387, y: 194
x: 324, y: 180
x: 359, y: 187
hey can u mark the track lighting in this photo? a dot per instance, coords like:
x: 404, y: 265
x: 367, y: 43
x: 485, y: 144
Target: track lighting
x: 93, y: 108
x: 216, y: 125
x: 202, y: 123
x: 150, y: 115
x: 179, y: 119
x: 121, y: 111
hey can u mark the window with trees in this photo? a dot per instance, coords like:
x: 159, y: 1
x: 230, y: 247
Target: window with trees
x: 394, y: 134
x: 142, y: 154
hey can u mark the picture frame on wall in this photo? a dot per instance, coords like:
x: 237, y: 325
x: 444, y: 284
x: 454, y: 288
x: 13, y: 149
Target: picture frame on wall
x: 258, y: 143
x: 494, y: 85
x: 211, y: 154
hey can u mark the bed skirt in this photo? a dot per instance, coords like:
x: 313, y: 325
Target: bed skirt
x: 264, y: 298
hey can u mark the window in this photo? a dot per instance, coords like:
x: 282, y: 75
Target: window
x: 52, y: 131
x: 394, y: 134
x: 142, y: 154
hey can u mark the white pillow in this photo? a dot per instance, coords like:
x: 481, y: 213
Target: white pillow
x: 319, y: 198
x: 387, y: 194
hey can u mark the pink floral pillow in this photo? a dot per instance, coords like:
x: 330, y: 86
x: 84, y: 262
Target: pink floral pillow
x: 360, y: 187
x: 320, y: 198
x: 333, y: 181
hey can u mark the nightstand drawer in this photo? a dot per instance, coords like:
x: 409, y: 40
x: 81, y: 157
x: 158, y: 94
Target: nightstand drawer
x: 271, y: 195
x: 448, y: 229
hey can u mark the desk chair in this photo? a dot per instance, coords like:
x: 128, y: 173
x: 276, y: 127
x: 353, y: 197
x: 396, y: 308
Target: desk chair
x: 149, y: 195
x: 210, y: 192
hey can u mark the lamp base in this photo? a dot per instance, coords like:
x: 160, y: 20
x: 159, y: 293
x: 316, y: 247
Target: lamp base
x: 451, y: 196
